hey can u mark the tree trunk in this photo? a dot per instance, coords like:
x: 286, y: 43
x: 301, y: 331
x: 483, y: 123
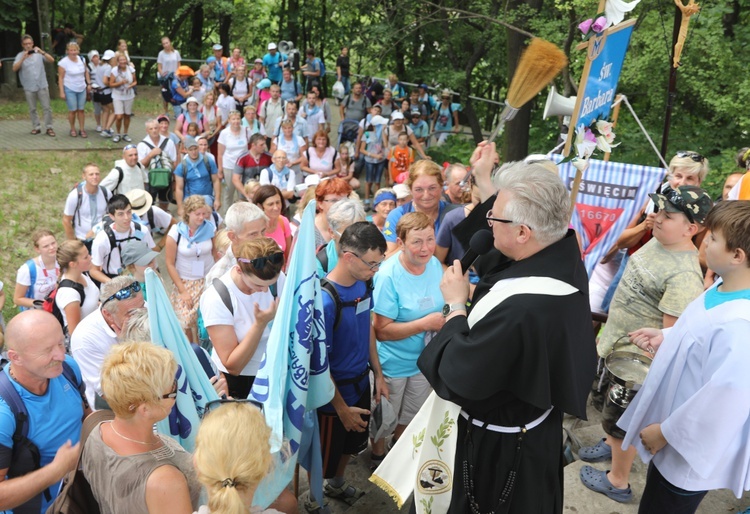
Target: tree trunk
x: 225, y: 24
x: 196, y: 32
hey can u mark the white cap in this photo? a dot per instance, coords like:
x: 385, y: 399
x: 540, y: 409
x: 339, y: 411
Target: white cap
x: 397, y: 115
x: 272, y: 46
x: 217, y: 46
x: 312, y: 180
x: 107, y: 55
x: 192, y: 99
x: 402, y: 191
x: 379, y: 120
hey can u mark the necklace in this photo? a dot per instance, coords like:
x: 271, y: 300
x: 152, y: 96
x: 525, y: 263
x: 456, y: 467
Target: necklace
x: 112, y: 426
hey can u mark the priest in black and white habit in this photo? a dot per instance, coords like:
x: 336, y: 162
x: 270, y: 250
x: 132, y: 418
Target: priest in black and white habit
x: 523, y: 354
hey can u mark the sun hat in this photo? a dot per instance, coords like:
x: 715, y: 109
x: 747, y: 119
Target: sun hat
x: 185, y: 70
x: 140, y: 201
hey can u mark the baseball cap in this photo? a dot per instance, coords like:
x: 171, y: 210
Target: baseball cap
x: 190, y: 142
x: 210, y: 60
x: 416, y: 112
x: 692, y: 201
x: 402, y: 191
x: 272, y: 46
x: 140, y: 201
x: 378, y: 120
x: 161, y: 118
x: 424, y: 86
x: 137, y: 252
x: 192, y: 99
x: 107, y: 55
x: 397, y: 115
x: 258, y: 61
x: 263, y: 84
x: 217, y: 46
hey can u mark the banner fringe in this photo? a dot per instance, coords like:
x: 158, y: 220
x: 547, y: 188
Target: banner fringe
x: 390, y: 491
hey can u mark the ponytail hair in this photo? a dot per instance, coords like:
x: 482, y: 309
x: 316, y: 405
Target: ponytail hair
x: 68, y: 251
x: 232, y: 454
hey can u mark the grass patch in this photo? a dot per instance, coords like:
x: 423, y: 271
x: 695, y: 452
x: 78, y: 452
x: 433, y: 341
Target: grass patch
x: 147, y: 102
x: 33, y: 198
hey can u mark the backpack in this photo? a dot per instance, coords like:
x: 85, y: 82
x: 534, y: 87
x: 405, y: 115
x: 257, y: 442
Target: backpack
x: 328, y: 286
x: 322, y: 67
x: 25, y: 456
x: 159, y: 173
x: 226, y: 298
x: 50, y: 305
x: 187, y: 121
x: 75, y: 495
x: 167, y: 93
x: 114, y: 243
x: 105, y: 192
x: 234, y: 82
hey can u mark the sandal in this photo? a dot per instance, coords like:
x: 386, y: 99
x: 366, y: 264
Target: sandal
x: 50, y: 132
x: 598, y: 482
x: 313, y: 507
x: 346, y: 492
x: 597, y: 453
x: 73, y: 133
x: 82, y: 133
x: 35, y: 132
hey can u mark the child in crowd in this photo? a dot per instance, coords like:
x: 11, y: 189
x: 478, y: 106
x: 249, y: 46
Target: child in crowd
x: 347, y: 167
x: 690, y: 418
x: 659, y: 282
x: 251, y: 186
x: 400, y: 158
x: 373, y: 147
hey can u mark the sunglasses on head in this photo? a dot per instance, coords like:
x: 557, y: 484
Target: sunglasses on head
x: 124, y: 293
x: 260, y: 262
x: 695, y: 156
x: 173, y: 393
x: 213, y: 405
x: 128, y: 147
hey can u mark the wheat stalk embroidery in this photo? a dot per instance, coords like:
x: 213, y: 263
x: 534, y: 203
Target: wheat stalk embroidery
x: 442, y: 432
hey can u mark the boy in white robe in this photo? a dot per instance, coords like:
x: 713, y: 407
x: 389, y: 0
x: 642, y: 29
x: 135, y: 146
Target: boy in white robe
x: 691, y: 418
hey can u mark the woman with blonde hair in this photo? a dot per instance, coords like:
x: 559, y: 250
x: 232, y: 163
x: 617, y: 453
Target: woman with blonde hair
x: 237, y: 310
x: 132, y: 469
x: 189, y: 256
x: 74, y: 82
x: 77, y: 296
x: 37, y: 276
x: 426, y: 184
x: 232, y: 455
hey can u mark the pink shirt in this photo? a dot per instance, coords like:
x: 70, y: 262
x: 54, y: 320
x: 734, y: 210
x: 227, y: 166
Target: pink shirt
x: 281, y: 232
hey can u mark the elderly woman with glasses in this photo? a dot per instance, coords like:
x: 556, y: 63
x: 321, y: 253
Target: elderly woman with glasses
x: 407, y: 313
x: 131, y: 469
x: 426, y: 184
x: 237, y: 310
x: 327, y: 193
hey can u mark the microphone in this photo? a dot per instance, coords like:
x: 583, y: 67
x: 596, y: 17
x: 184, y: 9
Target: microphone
x: 481, y: 243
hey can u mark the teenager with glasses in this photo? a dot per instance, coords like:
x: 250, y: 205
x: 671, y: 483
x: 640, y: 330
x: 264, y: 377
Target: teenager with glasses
x: 238, y: 308
x: 131, y: 468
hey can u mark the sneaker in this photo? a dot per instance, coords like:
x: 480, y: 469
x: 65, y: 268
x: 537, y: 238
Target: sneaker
x: 126, y: 138
x: 106, y: 133
x: 116, y: 138
x: 98, y: 128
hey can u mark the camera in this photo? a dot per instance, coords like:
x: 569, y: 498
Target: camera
x: 31, y: 52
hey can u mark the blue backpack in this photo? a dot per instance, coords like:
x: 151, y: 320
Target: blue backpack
x: 32, y: 277
x: 322, y: 66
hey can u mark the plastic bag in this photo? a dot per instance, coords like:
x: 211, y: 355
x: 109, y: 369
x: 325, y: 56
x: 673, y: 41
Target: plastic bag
x: 338, y: 90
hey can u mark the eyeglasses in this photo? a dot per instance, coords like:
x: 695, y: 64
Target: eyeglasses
x: 695, y: 156
x: 172, y: 395
x: 213, y: 405
x: 260, y: 262
x: 491, y: 220
x: 372, y: 266
x: 124, y: 293
x: 330, y: 200
x: 128, y: 147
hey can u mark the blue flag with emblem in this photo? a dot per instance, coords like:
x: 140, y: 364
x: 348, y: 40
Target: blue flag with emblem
x: 294, y: 378
x: 193, y: 386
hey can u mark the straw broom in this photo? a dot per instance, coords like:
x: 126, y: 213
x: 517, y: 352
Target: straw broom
x: 539, y: 64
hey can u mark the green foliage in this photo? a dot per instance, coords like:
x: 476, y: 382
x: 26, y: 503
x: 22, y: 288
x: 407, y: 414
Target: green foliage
x: 457, y: 148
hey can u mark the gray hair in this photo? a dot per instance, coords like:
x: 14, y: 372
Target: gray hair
x: 538, y: 199
x: 136, y: 328
x: 345, y: 212
x: 241, y: 213
x: 451, y: 168
x: 111, y: 287
x: 150, y: 121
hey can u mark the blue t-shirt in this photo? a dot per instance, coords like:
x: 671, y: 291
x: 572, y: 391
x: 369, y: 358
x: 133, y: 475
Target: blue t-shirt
x: 333, y: 259
x: 714, y: 297
x: 445, y: 116
x: 54, y: 418
x: 288, y: 90
x: 421, y: 129
x: 389, y: 229
x: 404, y: 297
x: 197, y: 177
x: 273, y: 64
x: 179, y: 83
x: 349, y: 346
